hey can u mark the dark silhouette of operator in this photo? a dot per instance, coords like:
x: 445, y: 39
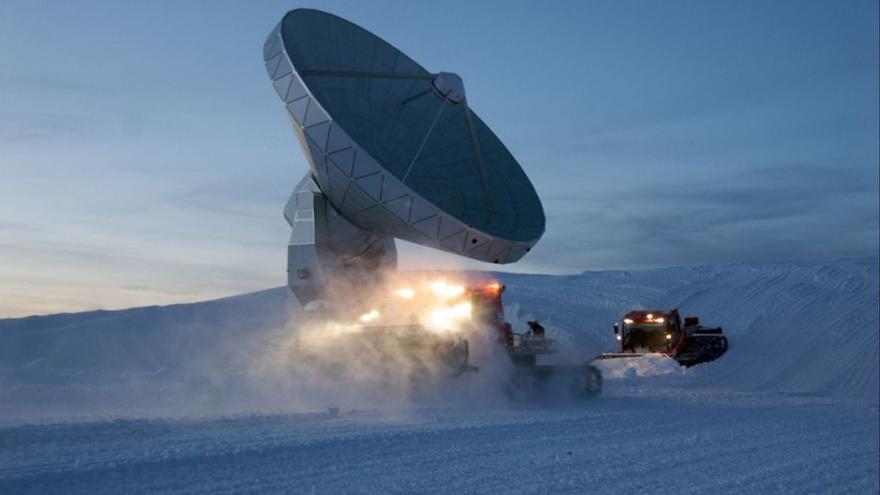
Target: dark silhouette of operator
x: 536, y: 329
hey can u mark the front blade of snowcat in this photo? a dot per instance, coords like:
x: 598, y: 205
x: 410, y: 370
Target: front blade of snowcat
x: 627, y: 355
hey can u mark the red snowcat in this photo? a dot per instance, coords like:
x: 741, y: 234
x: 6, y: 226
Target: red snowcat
x: 393, y: 339
x: 663, y: 332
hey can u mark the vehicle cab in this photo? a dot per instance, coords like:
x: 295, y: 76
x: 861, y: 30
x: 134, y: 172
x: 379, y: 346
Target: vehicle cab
x: 650, y: 331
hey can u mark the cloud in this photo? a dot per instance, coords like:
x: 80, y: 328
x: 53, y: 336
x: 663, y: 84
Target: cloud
x: 769, y: 193
x: 9, y: 227
x: 249, y: 197
x: 28, y: 127
x: 768, y: 213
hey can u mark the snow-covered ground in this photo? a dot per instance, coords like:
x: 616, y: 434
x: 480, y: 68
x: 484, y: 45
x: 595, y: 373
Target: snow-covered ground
x: 192, y: 398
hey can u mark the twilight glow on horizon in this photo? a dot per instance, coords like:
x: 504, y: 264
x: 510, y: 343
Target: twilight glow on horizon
x: 140, y: 165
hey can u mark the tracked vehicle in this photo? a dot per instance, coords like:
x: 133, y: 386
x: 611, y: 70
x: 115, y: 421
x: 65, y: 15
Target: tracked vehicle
x: 434, y: 344
x: 530, y: 377
x: 663, y: 332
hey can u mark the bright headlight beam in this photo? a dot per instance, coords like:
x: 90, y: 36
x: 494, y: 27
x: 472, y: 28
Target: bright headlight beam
x: 441, y: 288
x: 369, y: 316
x: 405, y: 293
x: 447, y: 318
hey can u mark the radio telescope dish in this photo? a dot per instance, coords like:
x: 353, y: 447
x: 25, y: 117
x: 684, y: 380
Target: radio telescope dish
x: 395, y: 151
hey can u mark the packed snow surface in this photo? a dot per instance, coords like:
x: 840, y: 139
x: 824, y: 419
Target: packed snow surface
x: 196, y: 398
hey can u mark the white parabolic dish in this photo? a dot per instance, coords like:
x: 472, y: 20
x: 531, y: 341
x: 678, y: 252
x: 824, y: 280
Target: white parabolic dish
x: 395, y: 148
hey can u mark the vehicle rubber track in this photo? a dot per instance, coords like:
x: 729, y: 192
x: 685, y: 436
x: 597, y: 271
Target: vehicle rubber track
x: 702, y: 348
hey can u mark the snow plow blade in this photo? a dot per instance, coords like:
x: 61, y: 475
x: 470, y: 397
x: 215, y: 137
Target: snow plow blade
x: 627, y: 355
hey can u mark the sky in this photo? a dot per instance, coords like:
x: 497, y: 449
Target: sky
x: 145, y: 158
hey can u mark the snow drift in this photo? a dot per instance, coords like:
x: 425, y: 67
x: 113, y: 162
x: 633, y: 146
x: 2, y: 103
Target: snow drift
x: 805, y: 328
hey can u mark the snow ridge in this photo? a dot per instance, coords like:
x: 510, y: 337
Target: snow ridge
x: 807, y: 328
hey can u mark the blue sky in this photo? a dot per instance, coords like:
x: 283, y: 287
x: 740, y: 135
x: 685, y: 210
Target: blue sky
x: 144, y: 157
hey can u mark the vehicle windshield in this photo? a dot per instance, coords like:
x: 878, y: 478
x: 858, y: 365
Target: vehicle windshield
x: 644, y: 336
x: 648, y: 326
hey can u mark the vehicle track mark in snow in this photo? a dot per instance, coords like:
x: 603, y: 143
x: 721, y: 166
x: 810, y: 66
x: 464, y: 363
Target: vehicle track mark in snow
x: 763, y: 444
